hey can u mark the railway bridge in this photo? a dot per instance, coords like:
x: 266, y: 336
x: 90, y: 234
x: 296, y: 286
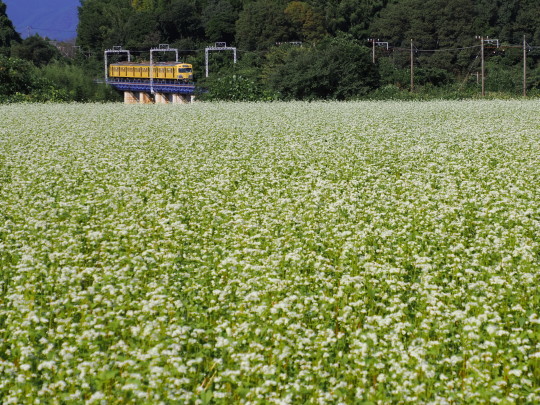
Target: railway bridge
x: 145, y: 83
x: 138, y: 92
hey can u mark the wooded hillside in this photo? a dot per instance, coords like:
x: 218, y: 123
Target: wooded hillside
x: 335, y: 56
x: 260, y: 24
x: 444, y: 35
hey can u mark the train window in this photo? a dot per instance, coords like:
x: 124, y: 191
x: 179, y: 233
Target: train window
x: 184, y: 70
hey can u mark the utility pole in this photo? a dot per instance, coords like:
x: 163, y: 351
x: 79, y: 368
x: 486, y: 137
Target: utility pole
x: 491, y: 42
x: 412, y: 67
x: 376, y: 42
x: 482, y: 70
x: 524, y: 67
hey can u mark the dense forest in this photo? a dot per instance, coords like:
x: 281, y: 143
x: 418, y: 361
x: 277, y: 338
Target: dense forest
x: 297, y: 49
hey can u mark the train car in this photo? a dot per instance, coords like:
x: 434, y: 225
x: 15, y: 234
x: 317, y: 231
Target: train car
x: 170, y: 71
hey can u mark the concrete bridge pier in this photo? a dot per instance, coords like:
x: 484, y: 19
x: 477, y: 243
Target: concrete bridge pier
x: 145, y: 98
x: 137, y: 97
x: 141, y: 97
x: 159, y: 93
x: 131, y: 97
x: 162, y: 98
x: 182, y: 98
x: 173, y: 98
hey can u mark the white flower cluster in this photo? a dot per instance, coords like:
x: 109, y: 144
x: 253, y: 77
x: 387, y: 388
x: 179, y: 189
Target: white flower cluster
x: 281, y: 253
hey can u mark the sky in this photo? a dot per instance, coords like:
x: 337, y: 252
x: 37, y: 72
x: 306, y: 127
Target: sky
x: 55, y: 19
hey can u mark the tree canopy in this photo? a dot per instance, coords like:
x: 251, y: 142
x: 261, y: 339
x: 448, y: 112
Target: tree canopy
x: 309, y: 48
x: 8, y: 35
x: 336, y: 68
x: 36, y: 50
x: 259, y: 24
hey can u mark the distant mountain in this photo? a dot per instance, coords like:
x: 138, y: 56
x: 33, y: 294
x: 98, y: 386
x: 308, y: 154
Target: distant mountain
x: 55, y: 19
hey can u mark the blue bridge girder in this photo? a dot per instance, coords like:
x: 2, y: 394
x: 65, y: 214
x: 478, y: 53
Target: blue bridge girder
x: 180, y: 88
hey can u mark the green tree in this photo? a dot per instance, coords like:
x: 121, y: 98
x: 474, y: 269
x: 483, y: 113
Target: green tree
x: 144, y: 5
x: 431, y: 24
x: 306, y: 22
x: 20, y: 81
x: 337, y: 68
x: 16, y: 76
x: 510, y: 20
x: 407, y: 19
x: 104, y: 23
x: 37, y: 50
x: 261, y: 24
x: 234, y: 87
x: 527, y: 23
x: 8, y: 35
x: 142, y: 30
x: 181, y: 19
x: 455, y: 28
x: 353, y: 16
x: 219, y: 18
x: 75, y: 84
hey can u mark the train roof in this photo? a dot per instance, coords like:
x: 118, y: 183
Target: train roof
x: 148, y: 63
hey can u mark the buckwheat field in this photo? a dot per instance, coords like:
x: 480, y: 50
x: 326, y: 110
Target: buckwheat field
x: 281, y: 253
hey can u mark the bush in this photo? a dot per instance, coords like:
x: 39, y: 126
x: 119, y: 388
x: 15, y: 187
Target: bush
x: 336, y: 68
x: 37, y: 50
x: 16, y: 76
x: 77, y: 83
x: 236, y: 88
x: 426, y: 92
x: 21, y: 81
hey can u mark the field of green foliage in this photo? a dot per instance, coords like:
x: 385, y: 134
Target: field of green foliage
x: 281, y: 253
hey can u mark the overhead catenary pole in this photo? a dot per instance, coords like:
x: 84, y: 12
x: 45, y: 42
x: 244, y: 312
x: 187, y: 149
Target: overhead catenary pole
x: 115, y: 49
x: 219, y: 46
x: 162, y: 48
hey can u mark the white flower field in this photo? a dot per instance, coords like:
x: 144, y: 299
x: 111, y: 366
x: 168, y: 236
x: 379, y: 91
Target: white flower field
x: 280, y: 253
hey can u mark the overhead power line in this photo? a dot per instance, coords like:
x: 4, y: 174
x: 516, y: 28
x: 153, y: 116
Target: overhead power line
x: 50, y: 29
x: 435, y: 50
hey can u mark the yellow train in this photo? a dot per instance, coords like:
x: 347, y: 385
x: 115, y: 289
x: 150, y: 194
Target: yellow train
x: 177, y: 71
